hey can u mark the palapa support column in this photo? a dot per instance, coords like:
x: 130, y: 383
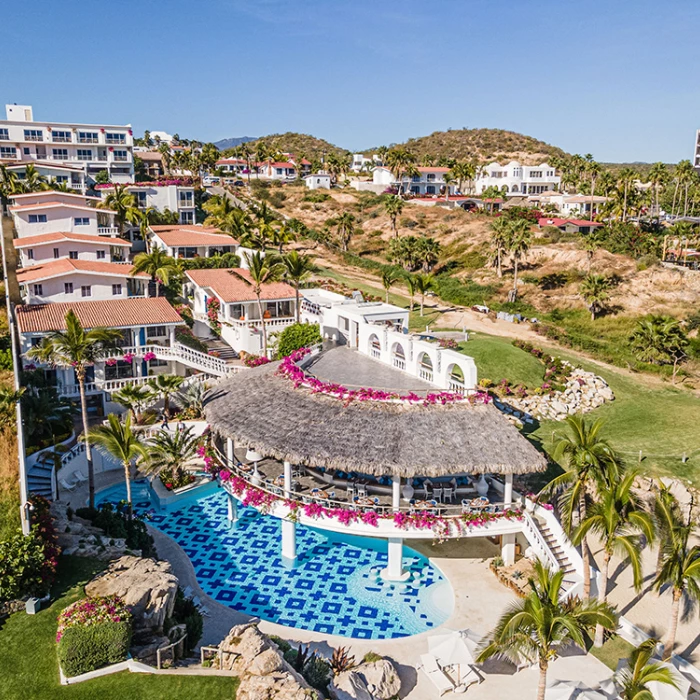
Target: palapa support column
x: 508, y: 549
x: 232, y: 509
x: 289, y: 529
x: 395, y: 493
x: 230, y: 457
x: 394, y: 570
x: 508, y: 490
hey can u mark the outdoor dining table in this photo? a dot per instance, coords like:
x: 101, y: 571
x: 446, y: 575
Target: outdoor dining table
x: 480, y: 502
x: 424, y: 505
x: 317, y: 493
x: 365, y: 502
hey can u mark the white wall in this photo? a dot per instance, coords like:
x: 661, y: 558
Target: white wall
x: 58, y: 219
x: 44, y: 252
x: 53, y: 290
x: 518, y: 178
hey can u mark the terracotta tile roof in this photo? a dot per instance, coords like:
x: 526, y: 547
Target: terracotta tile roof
x: 29, y: 241
x: 582, y: 198
x: 53, y: 193
x: 561, y: 222
x: 149, y: 155
x: 430, y: 169
x: 66, y: 266
x: 53, y: 205
x: 282, y: 165
x: 115, y: 313
x: 231, y: 161
x: 189, y: 237
x: 46, y: 164
x: 193, y: 228
x: 230, y: 288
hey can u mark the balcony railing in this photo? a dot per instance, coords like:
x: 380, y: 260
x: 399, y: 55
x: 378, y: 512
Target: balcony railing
x: 457, y: 387
x: 425, y: 374
x: 121, y: 159
x: 108, y: 230
x: 185, y: 203
x: 376, y: 353
x: 87, y: 140
x: 62, y: 139
x: 399, y: 363
x: 34, y: 138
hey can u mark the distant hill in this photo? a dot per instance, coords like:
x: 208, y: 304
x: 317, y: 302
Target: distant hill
x: 641, y: 168
x: 299, y: 144
x: 484, y: 145
x: 233, y: 142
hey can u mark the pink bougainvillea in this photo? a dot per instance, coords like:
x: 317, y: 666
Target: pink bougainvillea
x: 149, y: 356
x: 128, y: 357
x: 93, y: 611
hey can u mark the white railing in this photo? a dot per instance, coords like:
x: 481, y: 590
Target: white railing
x: 456, y: 387
x: 376, y: 353
x: 399, y: 363
x: 426, y: 374
x: 538, y: 543
x: 188, y: 356
x: 107, y: 230
x: 114, y: 384
x: 74, y: 389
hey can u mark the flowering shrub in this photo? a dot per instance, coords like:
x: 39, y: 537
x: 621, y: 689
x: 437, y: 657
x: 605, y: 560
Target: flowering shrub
x: 110, y: 362
x: 448, y: 344
x: 182, y: 182
x: 185, y: 314
x: 213, y: 308
x: 128, y: 357
x: 290, y: 369
x: 254, y: 360
x: 175, y: 479
x: 93, y: 611
x: 149, y: 356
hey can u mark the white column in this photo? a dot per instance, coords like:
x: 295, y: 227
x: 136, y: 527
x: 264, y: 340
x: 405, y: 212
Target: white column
x: 232, y: 508
x: 508, y: 549
x: 172, y: 336
x: 230, y: 458
x: 287, y: 479
x: 289, y: 540
x: 394, y: 570
x: 508, y: 490
x: 395, y: 493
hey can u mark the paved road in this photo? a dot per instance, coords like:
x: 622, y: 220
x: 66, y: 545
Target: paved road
x: 221, y: 191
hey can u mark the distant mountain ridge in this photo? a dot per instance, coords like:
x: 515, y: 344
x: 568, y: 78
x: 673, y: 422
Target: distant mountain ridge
x: 233, y: 142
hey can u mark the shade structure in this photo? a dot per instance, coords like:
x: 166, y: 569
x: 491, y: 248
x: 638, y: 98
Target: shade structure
x: 571, y: 690
x: 268, y: 413
x: 662, y: 691
x: 454, y: 647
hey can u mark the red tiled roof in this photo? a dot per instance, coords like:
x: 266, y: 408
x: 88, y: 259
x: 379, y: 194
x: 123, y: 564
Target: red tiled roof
x: 226, y: 284
x: 29, y: 241
x: 282, y: 165
x: 191, y: 237
x: 54, y: 193
x: 231, y: 161
x: 184, y: 227
x: 53, y: 205
x: 430, y: 169
x: 66, y: 266
x: 114, y: 313
x: 561, y: 222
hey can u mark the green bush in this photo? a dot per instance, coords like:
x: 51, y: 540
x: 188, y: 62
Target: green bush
x: 6, y: 359
x: 84, y: 649
x: 317, y: 673
x: 185, y: 336
x: 465, y: 293
x: 116, y: 524
x: 21, y: 566
x: 316, y: 197
x: 186, y: 612
x: 215, y: 261
x: 283, y: 644
x: 371, y: 656
x: 298, y: 335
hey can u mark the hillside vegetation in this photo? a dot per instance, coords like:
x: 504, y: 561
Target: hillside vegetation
x: 301, y: 145
x: 482, y: 145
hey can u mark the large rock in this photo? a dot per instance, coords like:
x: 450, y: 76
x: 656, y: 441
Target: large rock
x: 378, y: 680
x: 146, y: 585
x: 278, y: 686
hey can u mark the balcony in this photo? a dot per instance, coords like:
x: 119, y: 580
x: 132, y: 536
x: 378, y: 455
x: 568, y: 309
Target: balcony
x: 87, y: 139
x: 115, y: 142
x: 107, y: 230
x: 34, y: 138
x: 120, y: 159
x: 62, y: 139
x: 185, y: 203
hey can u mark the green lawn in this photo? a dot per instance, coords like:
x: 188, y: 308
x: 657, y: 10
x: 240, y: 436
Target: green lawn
x: 30, y: 667
x: 612, y: 651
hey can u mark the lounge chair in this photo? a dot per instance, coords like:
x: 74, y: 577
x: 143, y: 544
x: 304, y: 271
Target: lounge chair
x: 67, y: 485
x: 467, y: 676
x: 79, y: 477
x: 431, y: 668
x: 188, y: 592
x: 466, y: 506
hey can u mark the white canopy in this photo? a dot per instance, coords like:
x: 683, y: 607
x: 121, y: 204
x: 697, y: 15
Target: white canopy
x: 662, y: 691
x: 571, y: 690
x: 455, y: 647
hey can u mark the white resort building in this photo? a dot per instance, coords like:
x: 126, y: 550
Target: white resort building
x: 192, y: 241
x: 429, y: 181
x: 517, y: 179
x: 161, y: 197
x: 89, y: 148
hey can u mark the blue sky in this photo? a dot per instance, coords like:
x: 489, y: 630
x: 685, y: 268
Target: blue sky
x: 614, y: 78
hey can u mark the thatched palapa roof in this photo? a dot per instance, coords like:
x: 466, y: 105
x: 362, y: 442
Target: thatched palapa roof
x: 264, y: 411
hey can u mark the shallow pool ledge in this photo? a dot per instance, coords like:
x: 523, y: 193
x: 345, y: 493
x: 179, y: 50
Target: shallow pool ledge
x: 166, y: 501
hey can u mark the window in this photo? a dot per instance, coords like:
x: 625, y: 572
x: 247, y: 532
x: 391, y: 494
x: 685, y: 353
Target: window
x: 56, y: 253
x: 536, y: 173
x: 4, y: 135
x: 430, y: 189
x: 186, y: 217
x: 73, y: 254
x: 8, y: 152
x: 87, y: 137
x: 81, y: 221
x: 36, y: 341
x: 186, y: 199
x: 431, y: 177
x: 30, y: 254
x: 37, y: 218
x: 61, y: 178
x: 61, y: 137
x: 278, y: 171
x: 156, y: 332
x: 101, y: 254
x: 86, y: 290
x: 38, y: 290
x: 122, y: 370
x: 68, y: 288
x: 141, y: 199
x: 121, y: 155
x: 33, y: 135
x: 116, y: 290
x: 60, y: 153
x: 115, y: 138
x: 84, y: 154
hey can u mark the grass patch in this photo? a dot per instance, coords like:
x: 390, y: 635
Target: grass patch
x: 613, y: 649
x: 30, y: 665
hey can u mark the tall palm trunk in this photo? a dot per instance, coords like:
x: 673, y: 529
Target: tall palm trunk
x: 673, y: 627
x: 590, y: 214
x: 127, y: 479
x: 542, y: 685
x: 262, y: 320
x: 515, y: 277
x: 412, y: 302
x: 88, y: 451
x: 422, y: 302
x: 602, y: 596
x: 498, y: 261
x: 675, y: 193
x: 624, y: 206
x: 298, y: 311
x: 585, y: 552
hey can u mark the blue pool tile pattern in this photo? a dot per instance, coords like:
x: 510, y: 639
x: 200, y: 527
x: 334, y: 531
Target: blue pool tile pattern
x: 334, y: 586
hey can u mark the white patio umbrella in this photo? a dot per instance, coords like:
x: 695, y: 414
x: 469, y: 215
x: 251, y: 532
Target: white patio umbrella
x: 571, y: 690
x: 452, y: 648
x: 661, y: 691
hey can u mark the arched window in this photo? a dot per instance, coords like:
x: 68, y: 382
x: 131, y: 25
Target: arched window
x: 425, y: 367
x: 398, y: 357
x: 375, y: 347
x: 455, y: 379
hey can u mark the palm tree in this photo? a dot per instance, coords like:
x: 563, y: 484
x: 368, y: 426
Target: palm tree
x: 389, y: 278
x: 519, y: 244
x: 618, y: 519
x: 590, y: 243
x: 412, y: 288
x: 680, y: 569
x: 587, y: 459
x: 400, y: 162
x: 118, y: 440
x: 660, y: 340
x: 261, y: 271
x: 345, y: 228
x: 172, y: 450
x: 427, y: 252
x: 393, y: 205
x: 121, y: 201
x: 423, y: 283
x: 77, y: 348
x: 594, y: 170
x: 538, y: 627
x: 500, y: 241
x: 191, y: 399
x: 32, y: 180
x: 668, y: 517
x: 297, y: 269
x: 134, y: 399
x: 658, y: 177
x: 595, y: 292
x: 158, y: 264
x: 165, y: 386
x: 626, y: 180
x: 633, y: 680
x: 463, y: 170
x: 282, y: 235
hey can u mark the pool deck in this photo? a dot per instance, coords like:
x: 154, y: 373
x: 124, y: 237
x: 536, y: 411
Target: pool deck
x: 479, y: 601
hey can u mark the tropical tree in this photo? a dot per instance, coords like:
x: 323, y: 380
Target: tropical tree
x: 45, y: 415
x: 389, y: 278
x: 121, y: 201
x: 667, y: 517
x: 626, y: 180
x: 134, y: 399
x: 680, y: 569
x: 537, y: 628
x: 393, y: 205
x: 158, y: 264
x: 401, y: 162
x: 32, y: 180
x: 463, y: 170
x: 191, y: 399
x: 118, y: 440
x: 593, y: 170
x: 500, y: 241
x: 281, y: 235
x: 633, y: 679
x: 424, y: 283
x: 8, y: 405
x: 588, y: 459
x: 172, y: 450
x: 660, y: 340
x: 618, y: 519
x: 297, y: 269
x: 595, y: 292
x: 412, y: 288
x: 165, y: 386
x: 427, y: 252
x: 345, y: 228
x: 590, y: 242
x: 261, y: 271
x: 77, y: 348
x: 658, y: 178
x: 519, y: 244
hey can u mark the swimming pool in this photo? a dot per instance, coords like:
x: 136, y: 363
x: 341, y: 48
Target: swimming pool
x: 334, y: 586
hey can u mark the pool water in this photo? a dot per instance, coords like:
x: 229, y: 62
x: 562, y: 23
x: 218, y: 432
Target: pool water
x: 333, y: 587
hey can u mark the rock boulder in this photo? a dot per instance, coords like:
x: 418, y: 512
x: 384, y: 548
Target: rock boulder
x: 378, y: 680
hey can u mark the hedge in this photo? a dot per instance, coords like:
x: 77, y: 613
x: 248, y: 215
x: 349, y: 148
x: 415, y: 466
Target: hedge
x: 84, y: 649
x: 298, y: 335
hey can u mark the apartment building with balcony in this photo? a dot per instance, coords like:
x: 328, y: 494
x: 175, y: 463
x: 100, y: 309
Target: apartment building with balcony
x: 70, y: 279
x: 50, y: 212
x: 46, y: 247
x: 192, y: 241
x: 175, y: 198
x: 90, y: 147
x: 428, y: 181
x: 239, y: 313
x: 515, y: 179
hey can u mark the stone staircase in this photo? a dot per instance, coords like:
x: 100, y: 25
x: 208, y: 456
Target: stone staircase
x: 40, y: 478
x: 223, y: 349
